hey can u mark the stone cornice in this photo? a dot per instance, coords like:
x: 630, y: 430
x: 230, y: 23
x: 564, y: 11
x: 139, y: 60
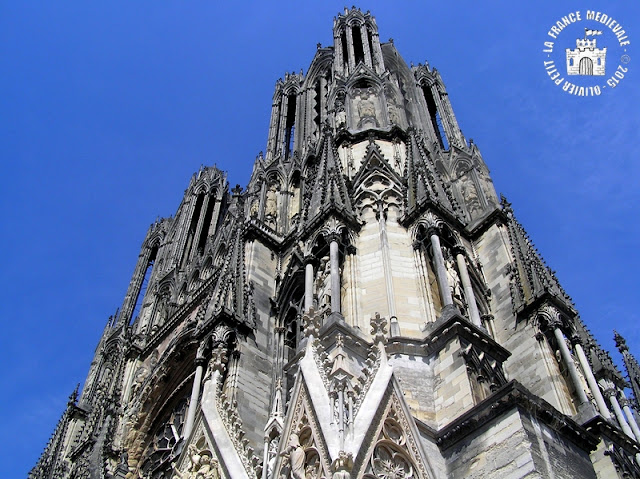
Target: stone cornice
x: 601, y: 427
x: 495, y: 217
x: 456, y: 325
x: 515, y: 395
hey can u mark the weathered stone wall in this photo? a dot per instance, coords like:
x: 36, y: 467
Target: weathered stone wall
x: 530, y: 363
x: 254, y: 374
x: 415, y: 375
x: 452, y: 389
x: 516, y: 445
x: 553, y: 454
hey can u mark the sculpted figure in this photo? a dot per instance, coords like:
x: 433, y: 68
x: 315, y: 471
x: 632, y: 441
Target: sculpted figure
x: 341, y: 115
x: 366, y: 111
x: 271, y: 463
x: 366, y: 108
x: 323, y: 282
x: 394, y: 116
x: 296, y: 457
x: 452, y: 278
x: 253, y: 211
x: 470, y: 195
x: 202, y: 466
x: 271, y: 205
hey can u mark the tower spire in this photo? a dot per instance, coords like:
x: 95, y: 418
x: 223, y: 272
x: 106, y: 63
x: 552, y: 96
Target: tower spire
x: 631, y: 365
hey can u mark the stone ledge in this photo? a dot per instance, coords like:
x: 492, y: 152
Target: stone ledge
x: 601, y: 427
x: 514, y: 395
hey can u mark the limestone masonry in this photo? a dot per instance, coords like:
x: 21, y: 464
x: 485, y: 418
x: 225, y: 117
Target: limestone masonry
x: 366, y: 308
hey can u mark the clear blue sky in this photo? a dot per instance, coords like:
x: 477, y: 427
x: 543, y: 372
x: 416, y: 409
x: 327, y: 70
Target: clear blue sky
x: 107, y: 108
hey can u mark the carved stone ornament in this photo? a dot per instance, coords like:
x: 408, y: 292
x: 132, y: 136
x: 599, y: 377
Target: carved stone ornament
x: 316, y: 462
x: 200, y: 462
x: 311, y: 323
x: 395, y: 454
x: 379, y: 329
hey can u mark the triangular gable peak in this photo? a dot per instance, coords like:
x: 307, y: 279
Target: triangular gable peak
x: 393, y: 448
x: 364, y: 428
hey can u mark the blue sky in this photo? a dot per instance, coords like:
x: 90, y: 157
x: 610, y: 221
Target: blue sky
x: 109, y: 107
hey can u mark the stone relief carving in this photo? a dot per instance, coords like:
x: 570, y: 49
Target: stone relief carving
x: 202, y: 464
x: 470, y: 195
x: 323, y: 284
x: 271, y: 202
x: 295, y: 453
x: 395, y: 454
x: 453, y: 279
x: 366, y: 108
x: 316, y: 462
x: 272, y: 457
x: 340, y: 112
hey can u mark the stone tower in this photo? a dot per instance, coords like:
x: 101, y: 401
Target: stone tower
x: 366, y: 308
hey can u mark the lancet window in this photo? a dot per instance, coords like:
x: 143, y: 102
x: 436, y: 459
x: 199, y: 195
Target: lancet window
x: 288, y: 324
x: 358, y: 48
x: 206, y: 225
x: 290, y: 126
x: 435, y: 116
x: 193, y: 225
x: 142, y: 290
x: 345, y: 49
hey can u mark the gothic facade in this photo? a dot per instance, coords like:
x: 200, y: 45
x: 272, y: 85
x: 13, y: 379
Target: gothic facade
x: 367, y: 307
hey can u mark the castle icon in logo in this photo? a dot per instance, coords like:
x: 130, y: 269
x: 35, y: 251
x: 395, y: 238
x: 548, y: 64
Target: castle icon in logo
x: 586, y: 59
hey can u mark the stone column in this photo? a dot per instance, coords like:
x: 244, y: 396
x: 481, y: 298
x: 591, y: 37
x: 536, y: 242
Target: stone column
x: 624, y: 402
x: 265, y: 458
x: 613, y: 393
x: 591, y: 380
x: 469, y: 295
x: 337, y: 45
x: 365, y: 45
x: 441, y: 271
x: 334, y: 262
x: 566, y: 356
x: 195, y: 393
x: 351, y: 57
x: 308, y: 284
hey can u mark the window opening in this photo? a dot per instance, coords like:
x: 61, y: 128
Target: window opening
x: 358, y: 49
x: 143, y: 286
x: 290, y: 125
x: 436, y: 119
x: 204, y: 232
x: 318, y: 106
x: 345, y: 49
x: 192, y: 229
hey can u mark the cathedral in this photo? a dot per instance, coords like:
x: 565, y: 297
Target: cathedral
x: 367, y: 307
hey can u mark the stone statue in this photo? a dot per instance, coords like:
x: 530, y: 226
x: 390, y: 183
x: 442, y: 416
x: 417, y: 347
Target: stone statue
x: 271, y: 204
x: 253, y: 210
x: 296, y: 457
x: 452, y: 278
x: 470, y: 195
x: 323, y: 282
x: 341, y: 114
x: 202, y: 466
x: 342, y: 466
x: 394, y: 115
x: 366, y: 110
x: 271, y: 463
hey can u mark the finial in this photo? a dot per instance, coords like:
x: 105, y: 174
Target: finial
x: 311, y: 323
x: 73, y: 397
x: 379, y: 328
x: 621, y: 343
